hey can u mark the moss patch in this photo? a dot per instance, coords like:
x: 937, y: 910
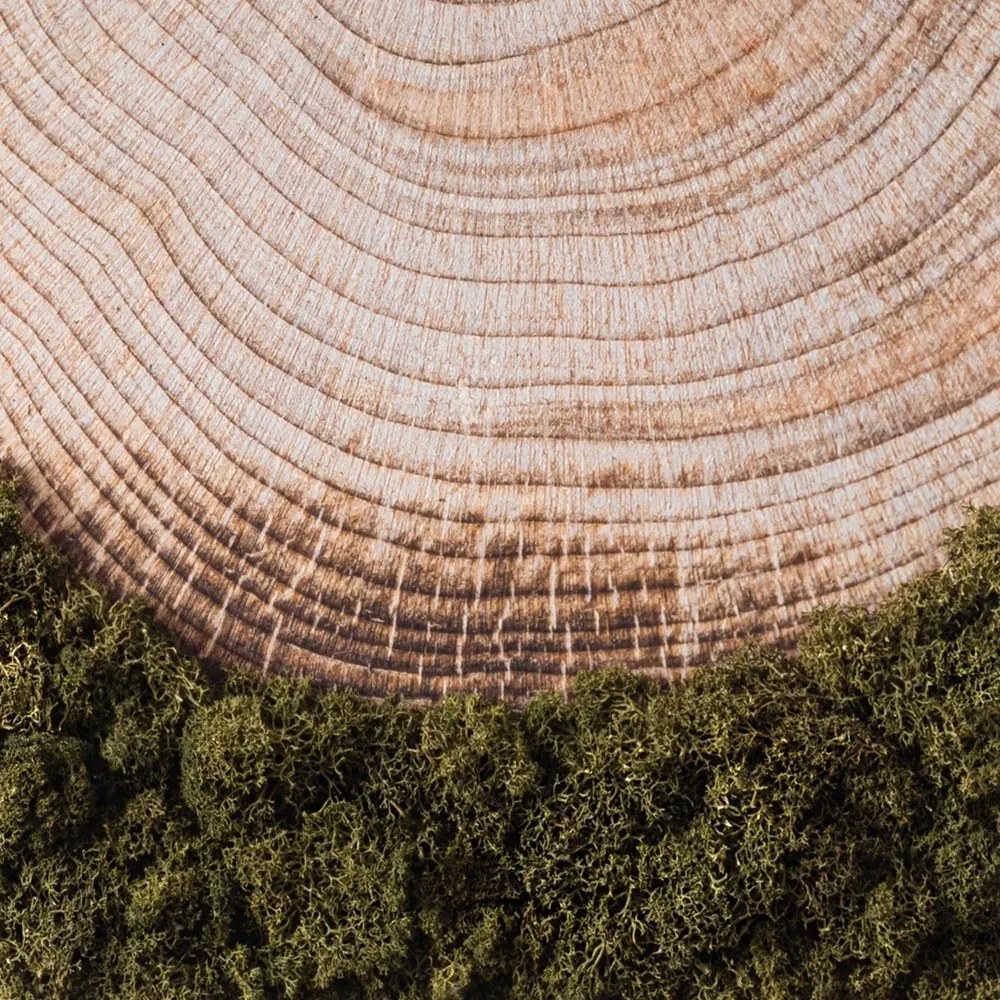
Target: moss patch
x: 827, y: 826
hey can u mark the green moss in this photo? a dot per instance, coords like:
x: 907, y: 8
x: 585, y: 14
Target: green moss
x: 824, y: 826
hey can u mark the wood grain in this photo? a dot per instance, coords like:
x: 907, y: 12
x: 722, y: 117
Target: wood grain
x: 427, y: 346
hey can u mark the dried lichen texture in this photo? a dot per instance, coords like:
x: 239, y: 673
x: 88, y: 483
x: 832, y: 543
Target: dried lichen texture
x: 424, y: 346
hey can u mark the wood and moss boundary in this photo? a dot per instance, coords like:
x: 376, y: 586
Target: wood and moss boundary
x: 820, y: 826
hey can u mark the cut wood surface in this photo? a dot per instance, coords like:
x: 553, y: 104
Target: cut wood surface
x: 429, y: 346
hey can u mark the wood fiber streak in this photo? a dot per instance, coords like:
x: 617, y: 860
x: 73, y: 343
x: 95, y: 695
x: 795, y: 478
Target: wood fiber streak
x: 426, y: 347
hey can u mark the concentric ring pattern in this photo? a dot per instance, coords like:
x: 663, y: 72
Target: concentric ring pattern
x: 425, y: 345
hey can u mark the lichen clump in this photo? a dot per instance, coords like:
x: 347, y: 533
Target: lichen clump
x: 824, y: 826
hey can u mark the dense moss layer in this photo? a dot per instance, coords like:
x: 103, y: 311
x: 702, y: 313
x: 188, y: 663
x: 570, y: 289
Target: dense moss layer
x: 823, y: 827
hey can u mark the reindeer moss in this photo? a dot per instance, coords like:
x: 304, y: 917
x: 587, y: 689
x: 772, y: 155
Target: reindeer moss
x: 827, y: 826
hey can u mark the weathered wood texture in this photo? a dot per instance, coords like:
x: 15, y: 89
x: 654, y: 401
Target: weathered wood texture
x: 426, y: 346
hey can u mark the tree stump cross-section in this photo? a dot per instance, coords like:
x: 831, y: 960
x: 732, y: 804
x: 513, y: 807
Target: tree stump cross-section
x: 427, y: 346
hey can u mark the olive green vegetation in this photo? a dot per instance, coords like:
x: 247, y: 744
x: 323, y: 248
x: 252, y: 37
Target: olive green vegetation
x: 827, y: 826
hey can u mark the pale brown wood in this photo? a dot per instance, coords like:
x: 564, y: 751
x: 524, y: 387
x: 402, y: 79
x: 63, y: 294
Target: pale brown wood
x: 430, y: 346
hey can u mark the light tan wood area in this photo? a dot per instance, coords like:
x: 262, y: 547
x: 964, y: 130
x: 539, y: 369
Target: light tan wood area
x: 425, y: 346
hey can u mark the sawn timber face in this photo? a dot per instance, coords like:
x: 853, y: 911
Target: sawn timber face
x: 472, y: 346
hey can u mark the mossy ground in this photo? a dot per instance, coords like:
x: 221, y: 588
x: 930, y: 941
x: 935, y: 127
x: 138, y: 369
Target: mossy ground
x: 827, y: 826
